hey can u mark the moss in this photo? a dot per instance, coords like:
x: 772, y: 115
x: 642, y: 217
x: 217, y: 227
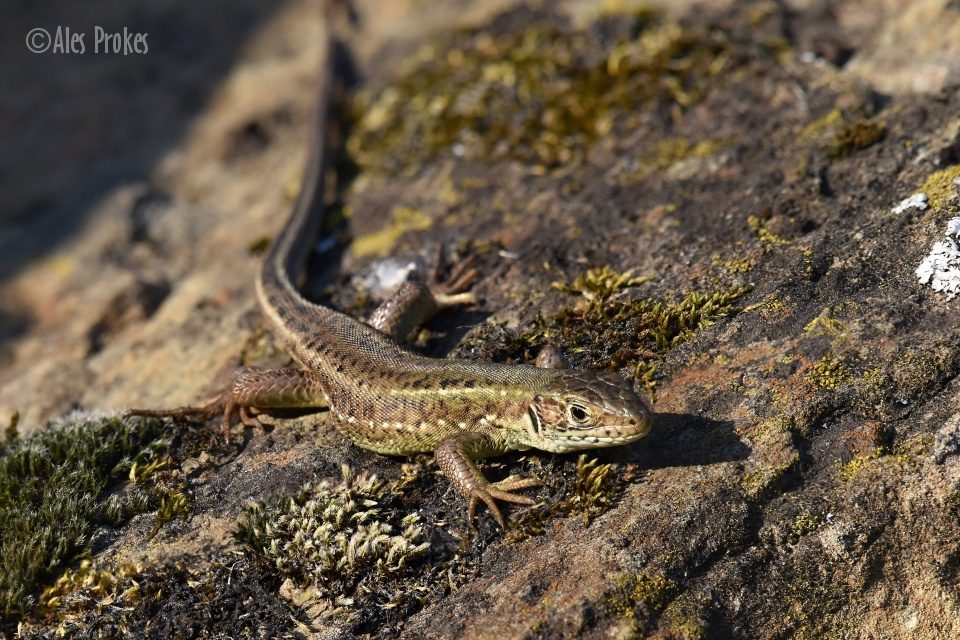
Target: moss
x: 804, y: 524
x: 828, y: 374
x: 740, y: 265
x: 760, y: 483
x: 380, y: 243
x: 639, y: 599
x: 10, y: 433
x: 174, y: 503
x: 682, y: 620
x: 917, y: 373
x: 822, y: 126
x: 225, y: 596
x: 940, y: 187
x: 88, y: 585
x: 871, y: 394
x: 674, y: 150
x: 541, y: 93
x: 51, y: 483
x: 259, y: 246
x: 595, y: 488
x: 755, y: 223
x: 602, y: 330
x: 847, y: 471
x: 342, y: 543
x: 816, y: 607
x: 907, y: 454
x: 824, y: 325
x: 600, y: 283
x: 854, y: 136
x: 669, y: 153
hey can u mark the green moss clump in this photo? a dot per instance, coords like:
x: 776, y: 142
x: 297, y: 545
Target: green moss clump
x: 343, y: 543
x: 595, y: 489
x: 539, y: 94
x: 380, y: 243
x: 828, y: 374
x: 51, y: 482
x: 259, y: 246
x: 760, y: 483
x: 639, y: 599
x: 601, y: 331
x: 600, y: 283
x: 804, y: 524
x: 765, y: 235
x: 854, y: 136
x: 940, y: 186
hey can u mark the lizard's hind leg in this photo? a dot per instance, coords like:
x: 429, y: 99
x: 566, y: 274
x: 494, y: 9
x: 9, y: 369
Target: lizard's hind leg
x: 251, y: 391
x: 414, y: 302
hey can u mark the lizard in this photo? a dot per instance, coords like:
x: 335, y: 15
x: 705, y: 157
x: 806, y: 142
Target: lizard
x: 389, y: 399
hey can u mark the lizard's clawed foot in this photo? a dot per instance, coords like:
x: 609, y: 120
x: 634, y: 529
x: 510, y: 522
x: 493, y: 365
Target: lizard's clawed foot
x: 221, y: 405
x: 501, y: 490
x: 452, y: 290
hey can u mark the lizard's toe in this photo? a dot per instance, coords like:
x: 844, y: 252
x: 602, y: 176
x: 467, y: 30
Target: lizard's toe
x: 501, y: 490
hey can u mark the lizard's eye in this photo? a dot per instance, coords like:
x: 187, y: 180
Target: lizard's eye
x: 577, y: 413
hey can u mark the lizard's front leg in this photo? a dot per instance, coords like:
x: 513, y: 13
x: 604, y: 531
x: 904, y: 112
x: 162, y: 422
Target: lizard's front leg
x: 252, y: 390
x: 455, y: 455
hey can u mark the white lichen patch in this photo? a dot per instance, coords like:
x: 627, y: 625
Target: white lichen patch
x: 941, y: 268
x: 917, y: 201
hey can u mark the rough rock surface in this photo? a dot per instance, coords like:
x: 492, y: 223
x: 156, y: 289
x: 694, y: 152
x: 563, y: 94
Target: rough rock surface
x: 744, y: 161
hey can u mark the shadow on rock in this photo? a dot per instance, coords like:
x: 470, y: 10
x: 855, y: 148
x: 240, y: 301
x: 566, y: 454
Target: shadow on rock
x: 684, y: 440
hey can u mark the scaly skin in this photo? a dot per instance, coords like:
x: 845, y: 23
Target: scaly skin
x: 391, y: 400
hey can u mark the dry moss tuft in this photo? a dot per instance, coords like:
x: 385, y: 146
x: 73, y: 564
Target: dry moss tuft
x: 342, y: 542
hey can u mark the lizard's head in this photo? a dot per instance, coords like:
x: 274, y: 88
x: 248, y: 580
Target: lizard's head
x: 584, y: 410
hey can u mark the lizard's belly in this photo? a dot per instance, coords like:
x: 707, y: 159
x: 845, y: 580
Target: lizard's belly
x: 393, y: 437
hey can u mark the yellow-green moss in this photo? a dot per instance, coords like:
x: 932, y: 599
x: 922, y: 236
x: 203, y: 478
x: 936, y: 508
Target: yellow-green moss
x: 759, y: 482
x: 824, y: 325
x: 854, y: 136
x: 828, y: 373
x: 671, y: 151
x: 600, y: 283
x: 804, y: 524
x: 595, y: 488
x: 755, y: 223
x: 638, y: 599
x: 381, y: 243
x: 850, y: 469
x: 604, y: 331
x: 816, y: 608
x: 941, y: 186
x: 740, y: 265
x: 822, y: 126
x: 541, y: 94
x: 97, y: 584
